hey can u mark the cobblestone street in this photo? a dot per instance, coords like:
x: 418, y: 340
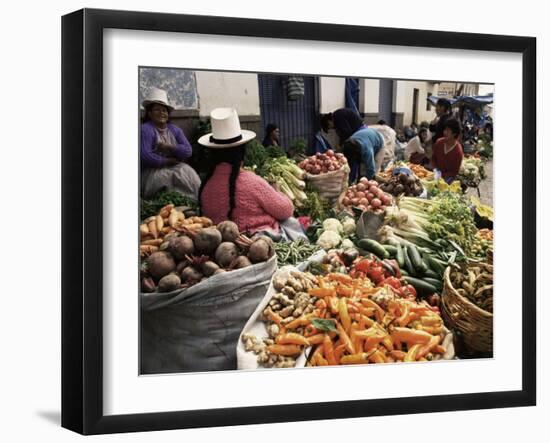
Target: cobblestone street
x: 485, y: 187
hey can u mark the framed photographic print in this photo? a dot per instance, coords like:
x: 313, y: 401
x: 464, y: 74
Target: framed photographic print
x: 252, y: 204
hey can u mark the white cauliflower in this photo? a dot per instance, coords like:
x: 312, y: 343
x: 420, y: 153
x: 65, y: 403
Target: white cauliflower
x: 333, y: 224
x: 347, y: 243
x: 348, y: 224
x: 329, y: 240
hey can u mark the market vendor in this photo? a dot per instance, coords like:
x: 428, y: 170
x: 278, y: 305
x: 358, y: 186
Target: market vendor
x: 361, y: 144
x: 447, y: 152
x: 321, y: 143
x: 163, y: 150
x: 418, y: 148
x: 229, y: 192
x: 272, y: 133
x: 390, y: 140
x: 443, y: 112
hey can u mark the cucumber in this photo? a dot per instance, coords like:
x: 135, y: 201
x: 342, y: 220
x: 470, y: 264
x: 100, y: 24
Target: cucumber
x: 422, y: 287
x: 374, y: 247
x: 408, y: 265
x: 403, y: 272
x: 431, y: 274
x: 392, y: 250
x: 400, y: 257
x: 416, y: 259
x: 436, y: 283
x: 436, y: 265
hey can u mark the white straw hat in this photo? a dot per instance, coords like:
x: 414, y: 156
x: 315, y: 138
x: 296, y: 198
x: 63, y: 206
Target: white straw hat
x: 226, y: 130
x: 159, y: 96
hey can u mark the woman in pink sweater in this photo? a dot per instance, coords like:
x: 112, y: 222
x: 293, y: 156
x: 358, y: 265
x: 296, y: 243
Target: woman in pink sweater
x: 230, y: 193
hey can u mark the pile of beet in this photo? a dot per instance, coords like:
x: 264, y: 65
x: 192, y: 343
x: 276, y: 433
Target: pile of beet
x: 186, y: 258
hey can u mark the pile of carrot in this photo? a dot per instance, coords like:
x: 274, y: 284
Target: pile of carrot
x: 356, y: 323
x: 169, y: 220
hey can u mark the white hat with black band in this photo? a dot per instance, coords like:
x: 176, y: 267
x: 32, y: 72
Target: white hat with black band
x: 226, y: 130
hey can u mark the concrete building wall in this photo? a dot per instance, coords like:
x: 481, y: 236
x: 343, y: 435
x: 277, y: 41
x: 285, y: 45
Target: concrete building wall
x: 227, y: 89
x: 370, y: 94
x: 486, y: 89
x: 403, y: 100
x: 331, y: 94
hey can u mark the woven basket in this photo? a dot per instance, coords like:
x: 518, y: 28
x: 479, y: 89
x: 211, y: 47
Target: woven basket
x: 475, y: 324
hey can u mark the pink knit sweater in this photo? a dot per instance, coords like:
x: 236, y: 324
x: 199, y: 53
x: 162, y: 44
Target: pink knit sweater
x: 257, y: 205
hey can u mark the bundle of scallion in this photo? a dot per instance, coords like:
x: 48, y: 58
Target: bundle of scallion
x: 444, y: 222
x: 287, y: 176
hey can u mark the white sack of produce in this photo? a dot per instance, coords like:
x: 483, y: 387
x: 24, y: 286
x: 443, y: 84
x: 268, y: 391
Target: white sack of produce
x: 255, y: 332
x: 196, y: 329
x: 327, y: 173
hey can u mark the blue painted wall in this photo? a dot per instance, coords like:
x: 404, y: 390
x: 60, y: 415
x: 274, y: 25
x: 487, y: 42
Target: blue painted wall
x: 180, y: 84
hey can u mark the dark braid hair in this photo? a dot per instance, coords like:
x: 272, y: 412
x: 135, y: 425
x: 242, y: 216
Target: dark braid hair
x: 233, y: 156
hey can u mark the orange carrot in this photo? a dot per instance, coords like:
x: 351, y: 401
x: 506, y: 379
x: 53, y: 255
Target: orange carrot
x: 284, y: 349
x: 341, y: 278
x: 329, y: 351
x: 345, y: 339
x: 355, y: 359
x: 398, y: 355
x: 410, y: 336
x: 425, y: 349
x: 338, y: 351
x: 344, y: 315
x: 316, y: 339
x: 296, y: 323
x: 412, y: 353
x: 291, y: 338
x: 377, y: 357
x: 322, y: 292
x: 333, y: 304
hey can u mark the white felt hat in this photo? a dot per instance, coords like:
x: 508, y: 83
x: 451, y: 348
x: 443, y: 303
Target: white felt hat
x: 159, y: 96
x: 226, y: 130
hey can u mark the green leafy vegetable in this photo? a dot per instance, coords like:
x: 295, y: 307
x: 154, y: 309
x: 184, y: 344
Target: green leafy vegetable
x: 325, y: 325
x: 152, y: 206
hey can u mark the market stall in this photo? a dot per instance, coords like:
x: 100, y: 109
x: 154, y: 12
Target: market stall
x: 397, y: 269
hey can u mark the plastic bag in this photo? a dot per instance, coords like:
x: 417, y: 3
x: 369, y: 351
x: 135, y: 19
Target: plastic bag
x: 197, y: 329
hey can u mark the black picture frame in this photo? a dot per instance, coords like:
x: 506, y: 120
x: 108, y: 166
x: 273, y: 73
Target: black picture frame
x: 82, y: 190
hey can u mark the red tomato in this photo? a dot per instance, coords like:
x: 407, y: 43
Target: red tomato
x: 393, y: 282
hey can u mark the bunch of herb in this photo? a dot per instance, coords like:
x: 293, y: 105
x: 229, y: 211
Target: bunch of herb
x: 315, y: 206
x: 152, y: 206
x: 256, y: 155
x: 451, y: 219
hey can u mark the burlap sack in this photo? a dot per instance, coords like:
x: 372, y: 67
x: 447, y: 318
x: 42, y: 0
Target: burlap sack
x: 330, y: 185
